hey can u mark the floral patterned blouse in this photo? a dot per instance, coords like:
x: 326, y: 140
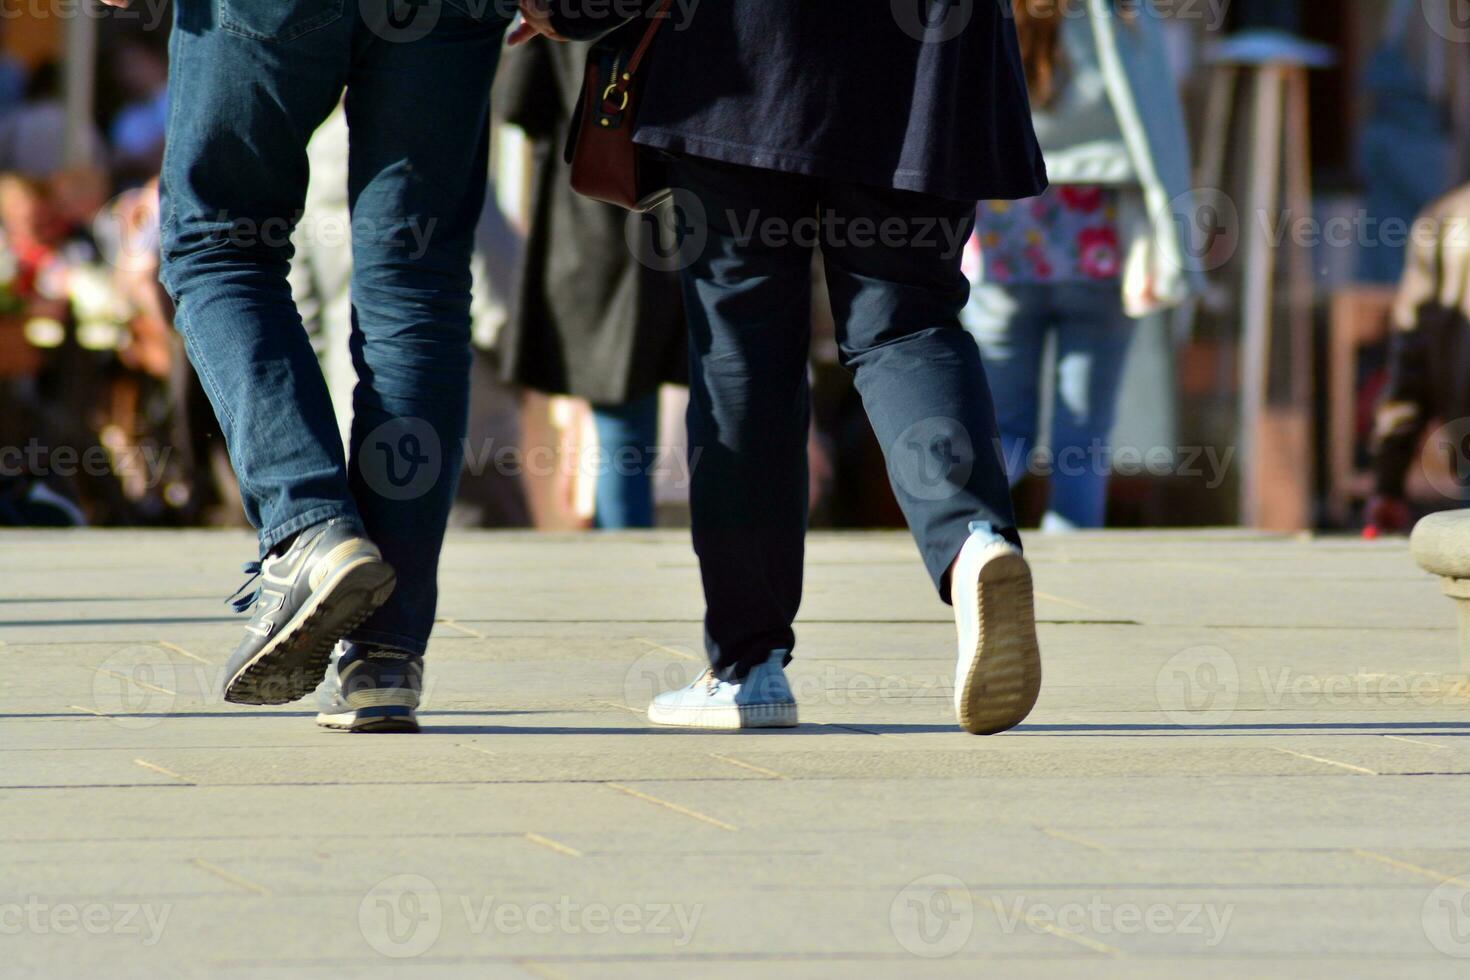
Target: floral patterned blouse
x: 1068, y: 234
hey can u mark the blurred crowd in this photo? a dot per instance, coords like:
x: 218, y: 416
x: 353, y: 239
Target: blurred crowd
x: 580, y: 338
x: 89, y: 362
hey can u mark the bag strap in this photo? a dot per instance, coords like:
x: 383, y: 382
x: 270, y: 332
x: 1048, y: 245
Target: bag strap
x: 659, y: 15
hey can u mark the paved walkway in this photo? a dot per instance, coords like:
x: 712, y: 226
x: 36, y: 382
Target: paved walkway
x: 1249, y: 759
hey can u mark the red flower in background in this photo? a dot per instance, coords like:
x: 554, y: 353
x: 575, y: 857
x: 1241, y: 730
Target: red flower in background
x: 1080, y: 197
x: 1098, y: 253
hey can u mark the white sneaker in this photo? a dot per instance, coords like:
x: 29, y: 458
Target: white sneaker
x: 762, y: 700
x: 998, y: 675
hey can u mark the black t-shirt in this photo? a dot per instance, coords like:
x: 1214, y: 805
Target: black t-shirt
x: 922, y: 95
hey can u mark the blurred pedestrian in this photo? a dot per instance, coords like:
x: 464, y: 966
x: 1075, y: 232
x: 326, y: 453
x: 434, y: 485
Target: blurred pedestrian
x: 1076, y: 266
x: 33, y: 135
x: 136, y: 133
x: 1429, y: 360
x: 589, y: 320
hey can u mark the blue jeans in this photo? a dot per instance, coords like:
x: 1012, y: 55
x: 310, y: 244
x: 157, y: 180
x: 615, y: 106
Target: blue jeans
x: 251, y: 80
x: 627, y: 436
x: 892, y: 263
x: 1012, y: 324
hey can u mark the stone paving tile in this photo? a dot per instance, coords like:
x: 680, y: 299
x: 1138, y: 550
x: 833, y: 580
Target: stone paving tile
x: 1248, y: 760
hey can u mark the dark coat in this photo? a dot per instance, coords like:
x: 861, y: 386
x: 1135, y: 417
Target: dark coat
x: 920, y: 95
x: 589, y: 320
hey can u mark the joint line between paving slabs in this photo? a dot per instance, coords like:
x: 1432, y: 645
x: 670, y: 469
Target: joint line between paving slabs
x: 1394, y: 862
x: 746, y: 765
x: 133, y: 680
x: 552, y: 845
x: 1037, y: 922
x: 666, y: 804
x: 167, y: 772
x: 1074, y: 839
x: 620, y: 707
x: 1415, y: 741
x: 231, y: 877
x: 1074, y: 604
x: 1329, y: 762
x: 540, y: 970
x: 463, y: 629
x: 183, y: 653
x: 678, y: 653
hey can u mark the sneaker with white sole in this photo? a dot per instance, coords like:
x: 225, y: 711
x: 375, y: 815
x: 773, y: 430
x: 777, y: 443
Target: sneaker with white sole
x: 763, y: 699
x: 998, y: 674
x: 371, y: 689
x: 306, y: 597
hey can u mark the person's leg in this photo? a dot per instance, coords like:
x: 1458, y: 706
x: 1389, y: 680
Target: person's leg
x: 1009, y: 324
x: 233, y: 183
x: 418, y: 114
x: 748, y: 300
x: 625, y: 440
x: 893, y: 271
x: 1093, y: 334
x: 251, y: 80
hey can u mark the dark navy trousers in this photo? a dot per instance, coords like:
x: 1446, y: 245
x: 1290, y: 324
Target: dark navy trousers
x: 892, y: 261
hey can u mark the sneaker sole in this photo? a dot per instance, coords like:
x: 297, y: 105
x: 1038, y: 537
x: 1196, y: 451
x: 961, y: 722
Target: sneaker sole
x: 1002, y: 680
x: 726, y: 717
x: 295, y: 661
x: 360, y: 722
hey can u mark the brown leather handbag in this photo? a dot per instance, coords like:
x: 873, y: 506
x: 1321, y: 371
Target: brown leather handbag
x: 606, y: 164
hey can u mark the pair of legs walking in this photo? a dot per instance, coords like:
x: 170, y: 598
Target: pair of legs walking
x: 256, y: 77
x: 892, y: 262
x: 253, y: 80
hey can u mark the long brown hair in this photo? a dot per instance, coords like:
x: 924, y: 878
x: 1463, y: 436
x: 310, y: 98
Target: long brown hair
x: 1039, y: 25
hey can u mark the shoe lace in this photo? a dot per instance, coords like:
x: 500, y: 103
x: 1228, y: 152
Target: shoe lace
x: 243, y: 600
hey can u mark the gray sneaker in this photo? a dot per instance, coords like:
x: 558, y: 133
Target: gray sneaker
x: 762, y: 700
x: 998, y: 672
x: 322, y: 587
x: 371, y: 689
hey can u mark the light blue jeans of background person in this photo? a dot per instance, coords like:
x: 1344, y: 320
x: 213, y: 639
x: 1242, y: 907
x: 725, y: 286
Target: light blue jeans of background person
x: 1013, y: 324
x: 627, y: 434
